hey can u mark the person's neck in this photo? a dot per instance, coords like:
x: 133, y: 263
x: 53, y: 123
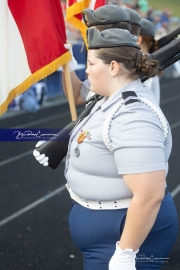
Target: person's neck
x: 121, y: 83
x: 144, y: 48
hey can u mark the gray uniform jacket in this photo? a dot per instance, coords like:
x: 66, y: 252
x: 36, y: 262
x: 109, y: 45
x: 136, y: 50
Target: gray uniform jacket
x: 138, y: 146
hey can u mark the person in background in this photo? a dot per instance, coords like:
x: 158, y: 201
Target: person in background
x: 41, y: 91
x: 28, y: 101
x: 31, y: 99
x: 143, y: 7
x: 147, y: 43
x: 150, y: 15
x: 165, y: 16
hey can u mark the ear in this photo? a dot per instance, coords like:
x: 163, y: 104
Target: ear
x: 140, y: 40
x: 114, y: 68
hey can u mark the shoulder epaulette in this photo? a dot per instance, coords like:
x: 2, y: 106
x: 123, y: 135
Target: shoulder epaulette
x: 129, y: 97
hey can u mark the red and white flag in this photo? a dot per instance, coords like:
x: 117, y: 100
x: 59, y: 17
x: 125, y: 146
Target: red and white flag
x: 32, y: 37
x: 74, y: 9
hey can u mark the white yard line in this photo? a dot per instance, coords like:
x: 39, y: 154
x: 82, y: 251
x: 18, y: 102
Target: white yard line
x: 175, y: 125
x: 9, y: 160
x: 32, y: 205
x: 175, y: 191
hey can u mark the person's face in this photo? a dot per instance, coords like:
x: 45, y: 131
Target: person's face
x: 98, y: 73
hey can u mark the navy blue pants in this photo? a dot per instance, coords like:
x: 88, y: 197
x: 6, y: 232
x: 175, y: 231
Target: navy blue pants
x: 95, y: 233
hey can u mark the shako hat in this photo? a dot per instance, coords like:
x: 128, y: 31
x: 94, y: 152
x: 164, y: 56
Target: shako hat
x: 109, y: 38
x: 105, y: 15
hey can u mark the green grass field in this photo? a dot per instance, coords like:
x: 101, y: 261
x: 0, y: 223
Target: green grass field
x: 173, y: 5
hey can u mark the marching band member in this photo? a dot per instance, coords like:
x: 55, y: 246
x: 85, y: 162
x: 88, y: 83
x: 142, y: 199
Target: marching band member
x: 117, y: 162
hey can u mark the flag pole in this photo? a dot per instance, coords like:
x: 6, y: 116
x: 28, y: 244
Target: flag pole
x: 68, y: 83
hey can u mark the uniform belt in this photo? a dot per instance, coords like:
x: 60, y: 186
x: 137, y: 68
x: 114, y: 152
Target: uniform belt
x: 102, y: 205
x: 99, y: 205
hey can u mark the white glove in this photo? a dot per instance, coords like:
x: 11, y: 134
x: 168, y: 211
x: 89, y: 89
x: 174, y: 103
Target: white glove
x: 73, y: 62
x: 123, y: 259
x: 40, y: 157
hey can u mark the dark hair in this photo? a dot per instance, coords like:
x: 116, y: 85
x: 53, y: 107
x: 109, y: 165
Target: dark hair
x: 154, y: 46
x: 121, y: 25
x: 151, y: 43
x: 135, y: 30
x: 135, y: 62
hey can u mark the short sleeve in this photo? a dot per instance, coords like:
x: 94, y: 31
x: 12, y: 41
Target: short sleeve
x: 137, y: 140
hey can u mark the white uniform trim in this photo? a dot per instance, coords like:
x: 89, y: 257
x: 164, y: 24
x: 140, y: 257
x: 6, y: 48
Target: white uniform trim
x: 107, y: 122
